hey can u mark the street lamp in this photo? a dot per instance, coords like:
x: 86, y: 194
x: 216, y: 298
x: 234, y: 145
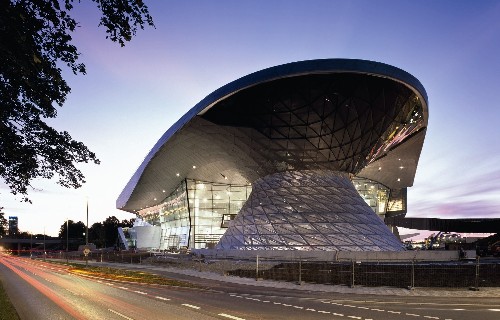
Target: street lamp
x: 44, y: 252
x: 87, y: 227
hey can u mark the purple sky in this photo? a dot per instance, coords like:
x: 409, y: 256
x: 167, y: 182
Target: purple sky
x: 132, y: 95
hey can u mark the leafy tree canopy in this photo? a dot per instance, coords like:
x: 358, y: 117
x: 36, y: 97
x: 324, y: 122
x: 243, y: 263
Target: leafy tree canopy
x: 3, y: 223
x: 35, y: 40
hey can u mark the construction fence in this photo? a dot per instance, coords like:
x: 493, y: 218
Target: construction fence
x: 468, y: 273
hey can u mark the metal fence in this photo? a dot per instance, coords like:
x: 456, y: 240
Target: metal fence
x: 471, y: 273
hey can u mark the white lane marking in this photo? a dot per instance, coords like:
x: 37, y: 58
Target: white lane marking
x: 494, y: 309
x: 277, y: 302
x: 74, y: 293
x: 287, y: 305
x: 354, y: 317
x: 377, y: 310
x: 124, y: 288
x: 121, y: 315
x: 309, y: 309
x: 364, y: 308
x: 110, y: 284
x: 413, y: 315
x: 161, y: 298
x: 321, y: 311
x: 190, y: 306
x: 396, y: 312
x: 297, y: 307
x: 266, y: 301
x: 140, y: 292
x: 230, y: 316
x: 337, y: 314
x: 429, y: 317
x: 348, y: 305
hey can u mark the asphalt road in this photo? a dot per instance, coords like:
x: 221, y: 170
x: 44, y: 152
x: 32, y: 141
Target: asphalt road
x: 41, y: 290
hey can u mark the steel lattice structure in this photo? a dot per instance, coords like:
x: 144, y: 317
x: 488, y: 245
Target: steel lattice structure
x: 333, y: 117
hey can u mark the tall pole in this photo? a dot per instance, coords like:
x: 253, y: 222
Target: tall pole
x: 87, y: 235
x: 87, y: 227
x: 67, y: 235
x: 44, y: 252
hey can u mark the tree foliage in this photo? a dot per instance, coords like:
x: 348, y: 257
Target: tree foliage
x: 74, y: 230
x: 35, y: 40
x: 3, y: 223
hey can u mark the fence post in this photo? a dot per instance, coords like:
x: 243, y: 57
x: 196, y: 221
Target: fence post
x: 257, y: 268
x: 300, y: 272
x: 352, y: 273
x: 412, y: 279
x: 477, y: 273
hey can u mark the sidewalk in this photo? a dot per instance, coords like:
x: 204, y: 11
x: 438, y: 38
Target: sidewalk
x: 390, y: 291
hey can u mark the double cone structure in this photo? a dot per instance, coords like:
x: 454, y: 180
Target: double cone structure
x: 299, y: 134
x: 307, y: 210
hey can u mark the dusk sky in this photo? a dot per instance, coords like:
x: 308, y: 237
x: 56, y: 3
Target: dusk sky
x: 132, y: 95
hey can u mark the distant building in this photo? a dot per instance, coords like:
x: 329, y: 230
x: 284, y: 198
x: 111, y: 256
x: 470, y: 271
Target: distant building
x: 310, y: 155
x: 13, y: 226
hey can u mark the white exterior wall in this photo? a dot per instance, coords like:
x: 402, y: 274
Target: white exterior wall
x: 147, y: 236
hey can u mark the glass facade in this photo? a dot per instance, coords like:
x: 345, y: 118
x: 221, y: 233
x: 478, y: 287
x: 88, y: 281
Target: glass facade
x: 308, y: 210
x: 382, y: 200
x: 198, y: 213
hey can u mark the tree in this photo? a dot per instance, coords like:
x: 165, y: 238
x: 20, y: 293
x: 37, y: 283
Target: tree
x: 35, y: 39
x: 97, y: 234
x: 111, y: 225
x: 4, y: 224
x: 75, y: 230
x: 127, y: 223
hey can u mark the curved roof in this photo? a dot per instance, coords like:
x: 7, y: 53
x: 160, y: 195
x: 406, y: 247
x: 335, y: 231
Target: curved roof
x: 341, y: 114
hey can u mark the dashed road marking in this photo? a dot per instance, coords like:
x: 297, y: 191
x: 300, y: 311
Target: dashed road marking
x: 396, y: 312
x: 310, y: 309
x: 74, y: 293
x: 297, y: 307
x: 124, y: 288
x: 429, y: 317
x: 354, y: 317
x: 378, y: 310
x: 191, y: 306
x: 493, y: 309
x: 230, y: 316
x: 140, y: 292
x: 337, y: 314
x: 413, y: 315
x: 321, y: 311
x: 121, y: 315
x: 161, y: 298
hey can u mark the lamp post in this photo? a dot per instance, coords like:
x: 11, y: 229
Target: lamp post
x: 87, y: 237
x: 87, y: 227
x: 44, y: 252
x: 67, y: 238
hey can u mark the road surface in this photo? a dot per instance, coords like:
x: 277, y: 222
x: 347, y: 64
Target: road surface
x: 40, y: 290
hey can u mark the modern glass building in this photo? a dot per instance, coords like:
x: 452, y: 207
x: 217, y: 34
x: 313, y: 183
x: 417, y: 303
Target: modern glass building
x: 310, y: 155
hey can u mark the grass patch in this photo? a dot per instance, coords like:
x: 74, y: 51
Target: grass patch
x: 128, y: 275
x: 8, y: 312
